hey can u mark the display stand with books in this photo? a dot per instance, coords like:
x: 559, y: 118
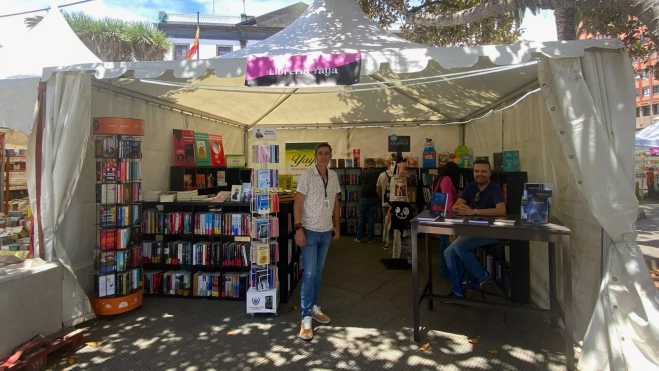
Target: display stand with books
x: 117, y: 254
x: 263, y: 294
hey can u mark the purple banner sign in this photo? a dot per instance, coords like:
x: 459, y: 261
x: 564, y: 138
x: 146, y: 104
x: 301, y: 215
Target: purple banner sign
x: 307, y: 70
x: 654, y: 151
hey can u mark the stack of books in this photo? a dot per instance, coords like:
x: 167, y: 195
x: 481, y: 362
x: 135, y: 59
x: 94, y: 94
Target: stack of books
x: 152, y: 196
x: 187, y: 195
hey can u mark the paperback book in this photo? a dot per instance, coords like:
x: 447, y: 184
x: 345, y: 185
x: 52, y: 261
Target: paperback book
x: 438, y: 204
x: 236, y: 193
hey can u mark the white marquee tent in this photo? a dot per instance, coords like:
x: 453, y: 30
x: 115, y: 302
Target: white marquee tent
x: 576, y: 120
x: 647, y: 138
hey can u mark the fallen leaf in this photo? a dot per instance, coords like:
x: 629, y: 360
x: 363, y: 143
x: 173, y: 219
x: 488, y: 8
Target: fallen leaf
x: 424, y: 347
x: 473, y: 341
x: 403, y: 319
x: 94, y: 343
x: 294, y: 307
x: 143, y: 327
x: 493, y: 351
x: 230, y: 333
x: 70, y: 360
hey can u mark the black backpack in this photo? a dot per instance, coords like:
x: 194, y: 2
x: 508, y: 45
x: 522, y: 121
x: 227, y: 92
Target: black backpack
x: 387, y: 190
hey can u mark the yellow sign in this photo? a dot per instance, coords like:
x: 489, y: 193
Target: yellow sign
x: 299, y: 158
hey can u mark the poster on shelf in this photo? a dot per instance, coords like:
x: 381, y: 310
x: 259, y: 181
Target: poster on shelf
x: 262, y: 133
x: 203, y: 149
x: 184, y: 148
x: 398, y: 189
x: 304, y: 70
x: 299, y: 158
x: 217, y: 150
x: 235, y: 161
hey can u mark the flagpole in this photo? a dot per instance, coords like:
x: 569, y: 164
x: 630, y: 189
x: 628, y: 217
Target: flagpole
x: 198, y: 40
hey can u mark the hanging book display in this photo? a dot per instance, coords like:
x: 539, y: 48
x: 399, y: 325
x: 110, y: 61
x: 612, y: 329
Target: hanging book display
x: 263, y: 294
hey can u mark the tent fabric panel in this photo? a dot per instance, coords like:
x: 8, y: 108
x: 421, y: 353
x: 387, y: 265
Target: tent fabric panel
x: 587, y: 122
x: 647, y: 138
x: 527, y: 127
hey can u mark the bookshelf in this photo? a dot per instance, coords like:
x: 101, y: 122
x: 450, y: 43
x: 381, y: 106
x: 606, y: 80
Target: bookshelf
x: 204, y: 178
x: 117, y: 255
x: 190, y: 250
x: 289, y: 252
x: 15, y: 179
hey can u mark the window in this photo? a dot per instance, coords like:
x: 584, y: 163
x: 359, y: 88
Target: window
x: 646, y: 92
x: 655, y: 109
x: 645, y: 75
x: 646, y: 110
x: 638, y: 112
x: 655, y: 89
x: 222, y: 49
x: 181, y: 52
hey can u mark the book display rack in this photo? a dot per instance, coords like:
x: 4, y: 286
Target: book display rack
x: 263, y: 293
x: 207, y: 180
x: 117, y: 254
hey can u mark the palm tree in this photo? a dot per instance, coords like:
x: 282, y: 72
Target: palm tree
x: 641, y: 9
x: 115, y: 40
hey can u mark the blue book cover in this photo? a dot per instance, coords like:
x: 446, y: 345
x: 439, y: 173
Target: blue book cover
x: 438, y: 204
x: 539, y: 206
x: 262, y: 228
x: 263, y: 203
x: 263, y: 178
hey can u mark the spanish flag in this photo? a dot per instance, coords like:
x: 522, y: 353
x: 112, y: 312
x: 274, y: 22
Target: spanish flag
x: 195, y: 45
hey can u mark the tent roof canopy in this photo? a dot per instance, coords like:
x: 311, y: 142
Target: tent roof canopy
x: 401, y: 82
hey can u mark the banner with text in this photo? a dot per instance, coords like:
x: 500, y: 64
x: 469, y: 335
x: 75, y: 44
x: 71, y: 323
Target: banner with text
x: 304, y: 70
x: 299, y: 158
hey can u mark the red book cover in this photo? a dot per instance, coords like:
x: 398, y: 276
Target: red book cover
x: 356, y: 156
x: 217, y: 150
x: 184, y: 150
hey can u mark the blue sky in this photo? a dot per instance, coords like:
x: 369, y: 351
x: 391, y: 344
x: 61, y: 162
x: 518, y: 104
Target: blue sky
x: 537, y: 28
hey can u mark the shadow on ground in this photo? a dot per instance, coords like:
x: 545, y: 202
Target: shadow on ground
x: 370, y: 330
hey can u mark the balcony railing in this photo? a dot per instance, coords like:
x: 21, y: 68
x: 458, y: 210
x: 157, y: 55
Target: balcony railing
x: 204, y: 18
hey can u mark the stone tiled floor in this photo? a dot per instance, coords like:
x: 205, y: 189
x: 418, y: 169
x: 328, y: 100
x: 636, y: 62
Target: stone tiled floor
x: 370, y: 330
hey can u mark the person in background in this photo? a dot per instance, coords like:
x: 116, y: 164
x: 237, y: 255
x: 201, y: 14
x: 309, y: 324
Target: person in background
x: 446, y: 182
x: 316, y: 213
x: 649, y: 176
x: 382, y: 189
x: 369, y: 201
x: 479, y: 198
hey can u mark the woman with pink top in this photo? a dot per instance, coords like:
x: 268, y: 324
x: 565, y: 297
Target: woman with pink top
x: 446, y: 182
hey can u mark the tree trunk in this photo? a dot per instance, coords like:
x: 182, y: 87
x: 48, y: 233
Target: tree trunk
x: 565, y: 27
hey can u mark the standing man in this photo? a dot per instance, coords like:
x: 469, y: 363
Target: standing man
x: 368, y: 201
x: 382, y: 189
x: 649, y: 176
x: 316, y: 223
x: 479, y: 198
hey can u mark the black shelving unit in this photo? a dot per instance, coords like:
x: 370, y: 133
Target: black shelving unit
x: 289, y: 272
x: 234, y: 176
x: 195, y: 207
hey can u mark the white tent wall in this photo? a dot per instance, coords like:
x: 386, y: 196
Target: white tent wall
x: 371, y: 142
x: 157, y: 158
x: 527, y: 127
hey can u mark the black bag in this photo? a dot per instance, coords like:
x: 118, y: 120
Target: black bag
x: 401, y: 215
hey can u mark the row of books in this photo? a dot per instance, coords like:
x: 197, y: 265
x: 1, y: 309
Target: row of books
x: 349, y: 212
x: 110, y: 147
x: 265, y: 227
x: 497, y: 268
x: 343, y: 163
x: 110, y: 239
x: 351, y: 196
x: 265, y: 153
x: 118, y: 193
x: 225, y: 254
x: 349, y: 179
x: 265, y: 253
x: 212, y: 223
x: 106, y: 262
x: 118, y: 216
x: 205, y: 284
x: 108, y: 171
x: 264, y: 278
x: 117, y: 284
x: 266, y: 178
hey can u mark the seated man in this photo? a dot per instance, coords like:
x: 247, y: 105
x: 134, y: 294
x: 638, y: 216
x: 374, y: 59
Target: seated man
x: 479, y: 198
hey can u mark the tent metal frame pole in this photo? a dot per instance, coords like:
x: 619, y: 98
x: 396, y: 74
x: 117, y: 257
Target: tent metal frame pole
x: 274, y: 107
x: 377, y: 77
x: 335, y: 126
x: 111, y: 88
x: 517, y: 93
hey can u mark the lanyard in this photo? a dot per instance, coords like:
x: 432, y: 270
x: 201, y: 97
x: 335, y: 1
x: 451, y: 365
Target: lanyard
x: 325, y: 181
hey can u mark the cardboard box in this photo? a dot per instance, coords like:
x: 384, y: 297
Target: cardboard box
x: 262, y: 301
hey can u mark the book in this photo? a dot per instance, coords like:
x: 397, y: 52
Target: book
x: 202, y: 149
x: 246, y: 193
x: 539, y: 205
x: 221, y: 178
x: 438, y: 204
x: 216, y: 151
x: 262, y: 203
x: 263, y: 178
x: 222, y: 196
x: 262, y: 254
x: 262, y: 228
x: 511, y: 161
x: 184, y: 147
x: 236, y: 193
x: 478, y: 220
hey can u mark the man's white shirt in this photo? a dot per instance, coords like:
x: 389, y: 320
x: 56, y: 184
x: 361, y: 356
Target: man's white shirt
x: 317, y: 216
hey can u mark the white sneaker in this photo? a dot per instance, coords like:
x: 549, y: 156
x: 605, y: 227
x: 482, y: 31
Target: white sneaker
x: 319, y: 316
x: 306, y: 331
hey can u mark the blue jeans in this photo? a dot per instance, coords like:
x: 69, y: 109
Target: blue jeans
x: 460, y: 255
x: 443, y: 245
x: 313, y: 261
x: 368, y: 207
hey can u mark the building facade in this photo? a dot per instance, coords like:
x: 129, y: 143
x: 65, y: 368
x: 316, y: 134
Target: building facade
x: 647, y: 87
x: 220, y: 34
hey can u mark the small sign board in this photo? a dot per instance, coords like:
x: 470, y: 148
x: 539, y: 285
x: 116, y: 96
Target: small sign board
x: 261, y: 133
x: 398, y: 140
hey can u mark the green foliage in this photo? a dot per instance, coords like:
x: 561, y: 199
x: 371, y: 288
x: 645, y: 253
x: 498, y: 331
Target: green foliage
x: 503, y: 29
x: 115, y: 40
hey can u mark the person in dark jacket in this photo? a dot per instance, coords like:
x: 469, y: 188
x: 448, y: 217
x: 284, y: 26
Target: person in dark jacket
x: 369, y: 201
